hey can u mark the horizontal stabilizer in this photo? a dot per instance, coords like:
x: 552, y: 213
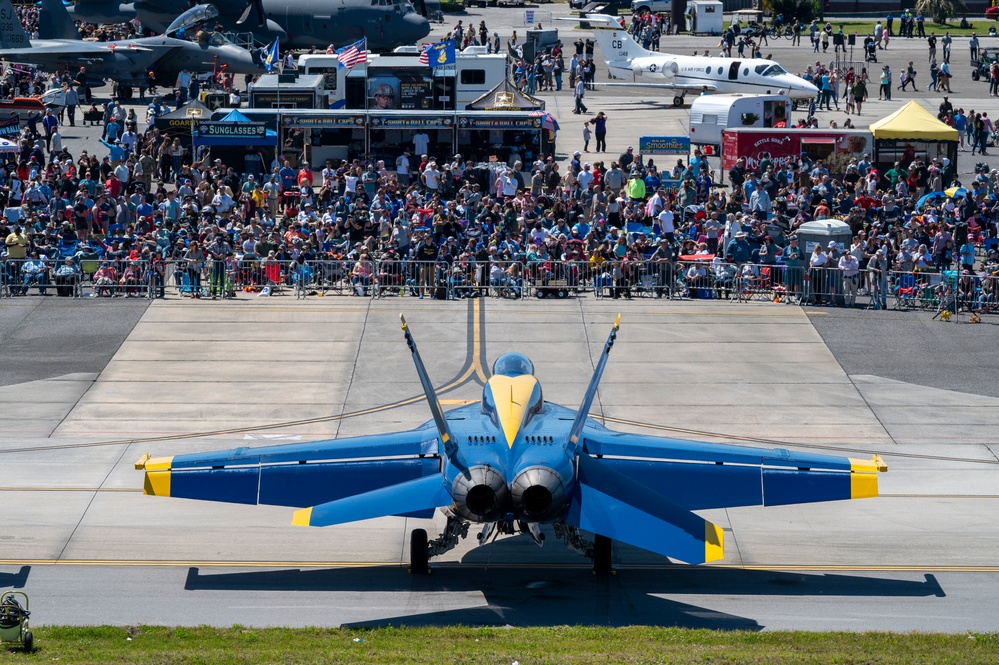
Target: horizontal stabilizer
x: 410, y: 497
x: 612, y: 505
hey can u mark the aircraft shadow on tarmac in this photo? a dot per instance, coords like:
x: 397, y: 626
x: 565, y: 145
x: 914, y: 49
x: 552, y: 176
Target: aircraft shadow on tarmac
x: 545, y: 596
x: 16, y: 580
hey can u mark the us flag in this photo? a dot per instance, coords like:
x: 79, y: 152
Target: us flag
x: 425, y: 55
x: 354, y: 54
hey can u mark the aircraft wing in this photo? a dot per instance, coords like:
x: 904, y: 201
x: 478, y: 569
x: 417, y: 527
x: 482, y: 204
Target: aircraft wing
x: 666, y: 86
x: 700, y: 475
x: 641, y: 489
x: 303, y: 474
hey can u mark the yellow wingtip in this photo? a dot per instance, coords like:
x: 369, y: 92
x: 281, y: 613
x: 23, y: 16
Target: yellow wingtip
x: 156, y: 483
x: 617, y: 321
x: 140, y: 463
x: 155, y: 463
x: 302, y: 517
x: 864, y: 477
x: 714, y: 543
x: 402, y: 318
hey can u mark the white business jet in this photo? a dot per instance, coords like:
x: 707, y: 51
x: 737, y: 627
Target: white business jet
x: 628, y: 61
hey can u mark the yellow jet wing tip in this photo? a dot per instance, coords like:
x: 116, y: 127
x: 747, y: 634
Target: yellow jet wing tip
x: 714, y: 543
x: 402, y: 318
x: 302, y: 517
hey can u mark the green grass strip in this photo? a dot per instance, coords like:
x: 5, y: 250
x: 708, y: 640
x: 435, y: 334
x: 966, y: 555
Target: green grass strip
x: 147, y: 645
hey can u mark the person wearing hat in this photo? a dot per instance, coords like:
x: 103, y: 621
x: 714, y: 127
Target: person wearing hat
x: 877, y: 270
x: 627, y: 158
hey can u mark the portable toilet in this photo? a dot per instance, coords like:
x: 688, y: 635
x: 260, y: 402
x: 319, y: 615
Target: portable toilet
x: 705, y: 17
x: 824, y: 231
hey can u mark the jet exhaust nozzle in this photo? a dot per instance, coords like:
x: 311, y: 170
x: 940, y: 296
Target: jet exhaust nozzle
x: 479, y: 493
x: 538, y: 493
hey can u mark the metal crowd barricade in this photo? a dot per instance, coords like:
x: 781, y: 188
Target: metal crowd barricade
x: 106, y: 278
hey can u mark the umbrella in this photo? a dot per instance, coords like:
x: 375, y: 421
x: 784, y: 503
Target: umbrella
x: 956, y: 192
x: 548, y: 121
x: 8, y: 146
x: 928, y: 197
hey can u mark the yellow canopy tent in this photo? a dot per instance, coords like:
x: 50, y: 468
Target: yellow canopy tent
x: 913, y: 132
x: 913, y: 122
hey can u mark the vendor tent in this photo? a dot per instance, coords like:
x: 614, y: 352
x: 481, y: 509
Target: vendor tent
x: 267, y: 138
x: 506, y: 97
x: 181, y: 118
x: 913, y: 122
x: 913, y: 132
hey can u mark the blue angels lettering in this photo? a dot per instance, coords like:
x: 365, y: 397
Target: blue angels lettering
x: 515, y: 463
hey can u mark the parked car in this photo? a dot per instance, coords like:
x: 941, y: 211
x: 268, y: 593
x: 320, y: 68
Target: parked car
x: 651, y: 6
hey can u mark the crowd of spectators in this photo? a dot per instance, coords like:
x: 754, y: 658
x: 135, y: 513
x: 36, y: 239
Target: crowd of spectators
x: 149, y: 209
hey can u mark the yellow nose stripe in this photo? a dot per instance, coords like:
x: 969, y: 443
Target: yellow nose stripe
x: 512, y: 396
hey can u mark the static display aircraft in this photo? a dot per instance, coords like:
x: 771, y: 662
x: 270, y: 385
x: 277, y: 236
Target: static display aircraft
x: 127, y: 61
x: 297, y: 23
x: 627, y: 60
x: 512, y: 463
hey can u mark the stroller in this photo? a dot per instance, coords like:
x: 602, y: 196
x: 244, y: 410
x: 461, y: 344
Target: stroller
x: 870, y: 50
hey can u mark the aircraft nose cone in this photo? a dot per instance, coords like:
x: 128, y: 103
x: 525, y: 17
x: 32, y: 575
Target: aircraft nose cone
x: 414, y: 27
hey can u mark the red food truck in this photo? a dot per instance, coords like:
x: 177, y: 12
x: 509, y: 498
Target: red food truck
x: 835, y: 147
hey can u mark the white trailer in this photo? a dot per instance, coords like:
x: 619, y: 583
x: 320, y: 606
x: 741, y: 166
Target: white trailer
x: 710, y: 114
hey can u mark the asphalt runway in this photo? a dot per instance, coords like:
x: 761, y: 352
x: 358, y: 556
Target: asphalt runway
x: 90, y: 549
x: 93, y: 385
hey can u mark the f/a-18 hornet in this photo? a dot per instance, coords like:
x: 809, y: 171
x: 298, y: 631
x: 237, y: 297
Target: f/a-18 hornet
x: 513, y: 463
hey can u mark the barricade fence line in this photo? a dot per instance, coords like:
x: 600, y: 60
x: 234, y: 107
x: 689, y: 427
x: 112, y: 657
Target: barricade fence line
x: 76, y: 278
x: 505, y: 279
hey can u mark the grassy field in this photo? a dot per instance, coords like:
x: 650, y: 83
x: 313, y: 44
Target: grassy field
x: 866, y: 27
x: 528, y: 646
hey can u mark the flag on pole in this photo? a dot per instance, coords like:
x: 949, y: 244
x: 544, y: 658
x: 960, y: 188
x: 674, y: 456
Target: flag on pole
x: 439, y: 54
x: 355, y: 54
x: 425, y: 54
x: 273, y: 57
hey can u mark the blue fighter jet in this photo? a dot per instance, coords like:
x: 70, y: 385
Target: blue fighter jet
x: 513, y: 463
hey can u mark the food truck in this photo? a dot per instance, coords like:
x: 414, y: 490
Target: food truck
x: 835, y: 147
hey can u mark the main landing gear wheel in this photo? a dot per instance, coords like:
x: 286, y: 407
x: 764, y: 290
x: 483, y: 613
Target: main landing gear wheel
x: 602, y: 556
x: 678, y: 101
x: 125, y: 93
x: 419, y: 558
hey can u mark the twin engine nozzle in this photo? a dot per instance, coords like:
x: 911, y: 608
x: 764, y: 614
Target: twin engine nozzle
x: 536, y: 494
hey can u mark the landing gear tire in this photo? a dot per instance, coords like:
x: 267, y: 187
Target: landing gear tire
x: 419, y: 560
x: 124, y: 92
x: 602, y: 556
x: 678, y: 101
x: 794, y: 104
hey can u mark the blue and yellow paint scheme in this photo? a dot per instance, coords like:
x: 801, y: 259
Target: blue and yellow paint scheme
x: 515, y: 459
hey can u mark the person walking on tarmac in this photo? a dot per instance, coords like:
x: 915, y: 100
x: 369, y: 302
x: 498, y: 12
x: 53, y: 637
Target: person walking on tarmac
x: 580, y: 91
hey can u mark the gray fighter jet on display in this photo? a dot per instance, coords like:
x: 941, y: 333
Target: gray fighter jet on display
x: 297, y: 23
x: 127, y: 61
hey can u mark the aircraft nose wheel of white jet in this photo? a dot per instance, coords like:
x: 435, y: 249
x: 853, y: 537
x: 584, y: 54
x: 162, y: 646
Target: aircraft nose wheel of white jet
x: 678, y: 101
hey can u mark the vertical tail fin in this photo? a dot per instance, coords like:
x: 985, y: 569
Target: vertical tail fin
x: 12, y: 33
x: 55, y: 22
x: 428, y: 388
x: 591, y: 390
x: 615, y: 42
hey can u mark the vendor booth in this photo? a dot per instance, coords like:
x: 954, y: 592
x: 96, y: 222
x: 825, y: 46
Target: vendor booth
x: 911, y: 132
x: 177, y: 124
x: 239, y: 142
x: 480, y: 136
x: 506, y: 97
